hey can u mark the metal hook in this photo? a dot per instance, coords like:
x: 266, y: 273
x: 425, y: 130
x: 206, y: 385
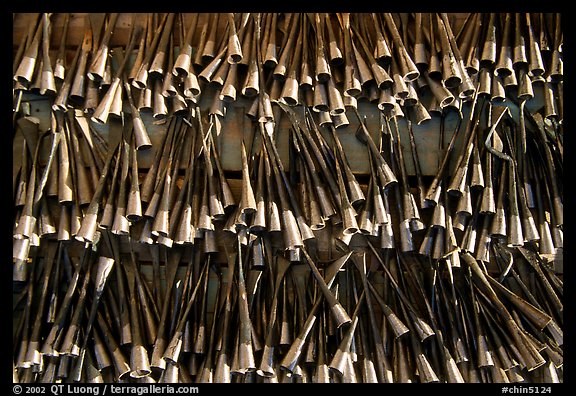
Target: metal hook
x: 495, y: 152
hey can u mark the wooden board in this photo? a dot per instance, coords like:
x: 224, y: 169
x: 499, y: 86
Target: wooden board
x: 121, y: 33
x: 237, y: 126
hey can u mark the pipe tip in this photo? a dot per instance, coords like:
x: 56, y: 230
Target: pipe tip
x: 139, y: 362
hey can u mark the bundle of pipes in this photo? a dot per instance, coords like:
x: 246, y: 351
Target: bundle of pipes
x: 420, y: 321
x: 445, y: 282
x: 408, y: 64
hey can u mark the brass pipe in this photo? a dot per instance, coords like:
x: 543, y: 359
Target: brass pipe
x: 348, y: 213
x: 435, y: 63
x: 227, y: 196
x: 183, y: 64
x: 356, y: 194
x: 381, y: 77
x: 34, y: 195
x: 26, y: 221
x: 119, y: 361
x: 536, y: 64
x: 269, y: 58
x: 141, y: 136
x: 383, y: 368
x: 145, y: 41
x: 222, y: 371
x: 420, y: 56
x: 180, y: 203
x: 21, y: 362
x: 310, y: 205
x: 120, y: 225
x: 382, y: 51
x: 139, y: 361
x: 520, y: 59
x: 377, y: 199
x: 364, y: 72
x: 385, y: 174
x: 291, y: 357
x: 159, y: 105
x: 161, y: 334
x: 61, y: 101
x: 65, y: 186
x: 451, y: 74
x: 458, y: 181
x: 334, y: 52
x: 292, y: 217
x: 266, y: 367
x: 234, y: 50
x: 546, y: 244
x: 410, y: 209
x: 47, y: 82
x: 33, y: 355
x: 246, y: 358
x: 25, y: 42
x: 323, y: 156
x: 440, y: 92
x: 108, y: 212
x: 172, y: 352
x: 557, y: 63
x: 274, y: 217
x: 552, y: 184
x: 287, y: 48
x: 34, y: 86
x: 140, y: 80
x: 488, y: 56
x: 421, y: 326
x: 89, y: 223
x: 416, y: 159
x: 325, y: 202
x: 322, y: 65
x: 251, y: 86
x: 103, y: 269
x: 467, y: 88
x: 49, y: 346
x: 169, y: 83
x: 25, y: 70
x: 407, y: 67
x: 290, y: 90
x: 504, y: 65
x: 21, y: 183
x: 545, y: 20
x: 67, y: 344
x: 100, y: 59
x: 211, y: 204
x: 197, y: 61
x: 185, y: 232
x: 352, y: 85
x: 474, y: 49
x: 205, y: 48
x: 81, y: 181
x: 531, y: 357
x: 160, y: 214
x: 536, y: 264
x: 535, y: 315
x: 342, y: 356
x: 105, y: 106
x: 158, y: 66
x: 336, y: 308
x: 149, y: 183
x: 206, y: 369
x: 321, y: 372
x: 259, y: 221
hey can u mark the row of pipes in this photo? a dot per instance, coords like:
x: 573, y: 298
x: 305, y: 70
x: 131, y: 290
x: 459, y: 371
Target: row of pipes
x: 446, y: 279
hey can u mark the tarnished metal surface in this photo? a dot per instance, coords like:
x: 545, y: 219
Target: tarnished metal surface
x: 250, y: 209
